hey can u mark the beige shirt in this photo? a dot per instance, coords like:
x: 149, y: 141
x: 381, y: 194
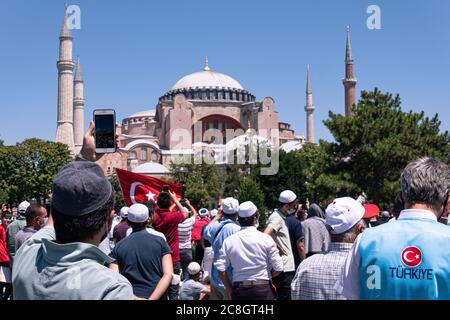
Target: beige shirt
x: 280, y: 234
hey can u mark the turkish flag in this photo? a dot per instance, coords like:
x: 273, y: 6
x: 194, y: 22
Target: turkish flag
x: 138, y: 188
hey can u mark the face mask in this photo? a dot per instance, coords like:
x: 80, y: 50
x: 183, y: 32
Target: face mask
x: 44, y: 222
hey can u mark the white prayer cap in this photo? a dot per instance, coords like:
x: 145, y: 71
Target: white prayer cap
x: 124, y: 212
x: 23, y: 206
x: 287, y: 196
x: 194, y: 268
x: 343, y: 213
x: 214, y: 212
x: 138, y: 213
x: 230, y: 205
x: 247, y: 209
x: 203, y: 212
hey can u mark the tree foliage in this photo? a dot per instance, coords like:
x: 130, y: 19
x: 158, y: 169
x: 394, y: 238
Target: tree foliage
x: 27, y: 169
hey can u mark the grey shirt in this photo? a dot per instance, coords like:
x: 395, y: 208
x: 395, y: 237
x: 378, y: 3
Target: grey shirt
x: 22, y: 236
x: 11, y: 232
x: 190, y: 290
x: 317, y: 238
x: 44, y: 269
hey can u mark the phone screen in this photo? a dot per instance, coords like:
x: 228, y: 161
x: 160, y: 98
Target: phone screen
x: 104, y: 131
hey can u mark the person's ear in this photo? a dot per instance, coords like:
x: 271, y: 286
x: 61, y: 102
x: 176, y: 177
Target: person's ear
x: 110, y: 219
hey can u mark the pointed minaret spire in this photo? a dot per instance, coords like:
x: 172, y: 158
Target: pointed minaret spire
x: 308, y: 81
x: 348, y: 48
x: 349, y: 81
x: 206, y: 68
x: 65, y: 31
x: 309, y: 108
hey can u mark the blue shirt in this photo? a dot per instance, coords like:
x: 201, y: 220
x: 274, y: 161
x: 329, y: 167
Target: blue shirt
x: 404, y: 260
x: 139, y: 257
x: 216, y: 233
x: 296, y: 234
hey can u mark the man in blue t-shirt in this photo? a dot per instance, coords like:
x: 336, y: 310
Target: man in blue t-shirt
x: 143, y: 258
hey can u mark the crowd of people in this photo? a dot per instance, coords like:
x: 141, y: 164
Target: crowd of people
x: 170, y: 250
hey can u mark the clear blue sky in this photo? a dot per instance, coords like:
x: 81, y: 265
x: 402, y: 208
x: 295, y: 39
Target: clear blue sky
x: 134, y: 51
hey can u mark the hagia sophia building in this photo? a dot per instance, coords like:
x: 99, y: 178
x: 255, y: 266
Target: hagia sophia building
x: 198, y: 103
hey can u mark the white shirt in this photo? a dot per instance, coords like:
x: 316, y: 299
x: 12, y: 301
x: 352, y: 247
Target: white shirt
x: 348, y: 284
x: 252, y: 255
x: 151, y: 231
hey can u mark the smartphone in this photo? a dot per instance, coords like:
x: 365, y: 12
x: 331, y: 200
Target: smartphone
x: 105, y: 131
x: 165, y: 188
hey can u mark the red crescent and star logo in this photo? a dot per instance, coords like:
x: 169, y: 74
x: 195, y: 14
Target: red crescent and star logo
x: 411, y: 256
x: 139, y: 193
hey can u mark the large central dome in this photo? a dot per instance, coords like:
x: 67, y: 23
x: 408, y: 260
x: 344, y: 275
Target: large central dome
x: 207, y: 79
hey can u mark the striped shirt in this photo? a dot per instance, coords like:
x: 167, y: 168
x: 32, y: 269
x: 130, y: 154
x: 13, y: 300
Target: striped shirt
x: 184, y: 233
x: 316, y: 276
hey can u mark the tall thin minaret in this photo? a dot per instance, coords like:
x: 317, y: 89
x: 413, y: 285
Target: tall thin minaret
x: 64, y: 130
x: 349, y: 81
x: 309, y: 108
x: 78, y: 107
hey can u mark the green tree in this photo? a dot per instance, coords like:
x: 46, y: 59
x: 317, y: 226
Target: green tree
x: 203, y: 182
x: 372, y: 147
x: 118, y: 200
x: 250, y: 190
x: 27, y: 169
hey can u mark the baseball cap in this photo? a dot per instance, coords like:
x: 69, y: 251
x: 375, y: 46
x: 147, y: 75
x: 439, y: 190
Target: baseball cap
x: 80, y: 188
x: 124, y: 212
x: 247, y: 209
x: 194, y: 268
x: 287, y: 196
x: 372, y: 210
x: 202, y: 212
x: 23, y: 206
x: 230, y: 205
x: 343, y: 213
x: 138, y: 213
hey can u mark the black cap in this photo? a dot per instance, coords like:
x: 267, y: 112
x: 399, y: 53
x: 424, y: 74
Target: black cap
x: 80, y: 188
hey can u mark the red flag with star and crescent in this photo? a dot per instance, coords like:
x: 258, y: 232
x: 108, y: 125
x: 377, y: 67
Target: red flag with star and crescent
x: 138, y: 188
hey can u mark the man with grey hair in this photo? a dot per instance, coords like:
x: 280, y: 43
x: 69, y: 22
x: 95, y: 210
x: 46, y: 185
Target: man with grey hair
x: 317, y: 275
x: 408, y: 259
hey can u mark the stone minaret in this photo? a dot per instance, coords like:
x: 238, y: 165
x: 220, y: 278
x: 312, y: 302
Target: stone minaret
x: 64, y: 130
x: 349, y: 81
x: 78, y: 108
x: 309, y: 108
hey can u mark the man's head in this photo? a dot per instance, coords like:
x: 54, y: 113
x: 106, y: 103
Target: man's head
x: 426, y: 182
x: 6, y: 219
x: 194, y: 271
x: 124, y: 213
x: 248, y: 214
x: 164, y: 200
x: 138, y: 216
x: 22, y: 208
x: 35, y: 216
x: 344, y: 219
x: 230, y: 207
x: 203, y: 212
x: 83, y: 203
x: 288, y: 202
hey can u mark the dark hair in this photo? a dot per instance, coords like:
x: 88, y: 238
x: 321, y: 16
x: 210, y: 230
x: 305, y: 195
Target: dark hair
x: 150, y: 204
x: 163, y: 200
x: 32, y: 212
x: 79, y: 229
x: 7, y: 215
x: 247, y: 222
x: 135, y: 225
